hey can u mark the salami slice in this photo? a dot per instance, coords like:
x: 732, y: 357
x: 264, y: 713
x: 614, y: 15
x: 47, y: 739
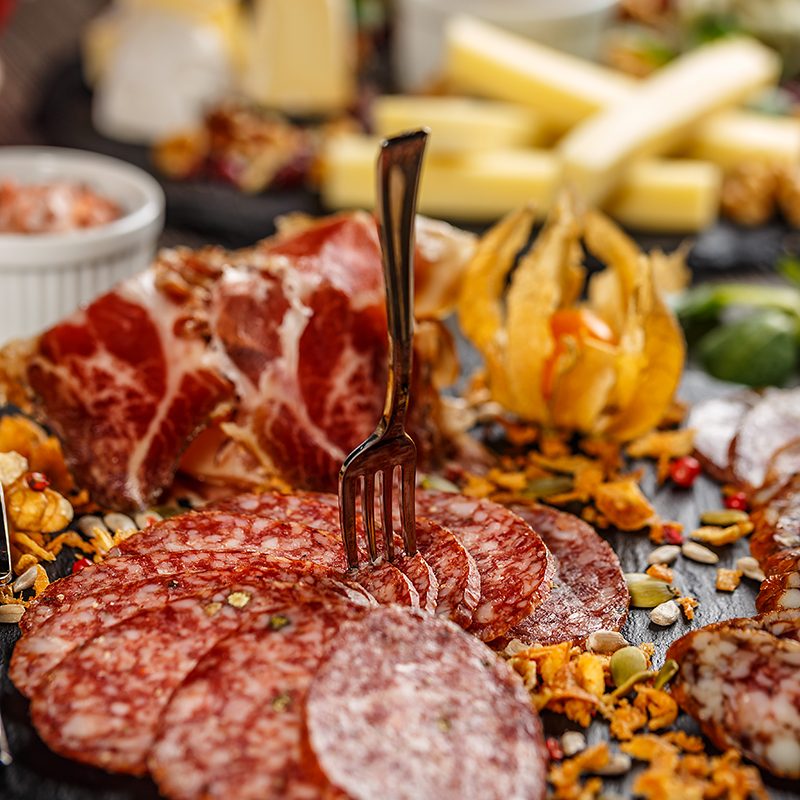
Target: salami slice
x: 454, y: 722
x: 514, y: 565
x: 715, y: 422
x: 777, y: 525
x: 88, y: 615
x: 589, y: 590
x: 219, y: 531
x: 234, y: 726
x: 782, y: 561
x: 321, y: 510
x: 779, y: 593
x: 739, y: 680
x: 103, y: 704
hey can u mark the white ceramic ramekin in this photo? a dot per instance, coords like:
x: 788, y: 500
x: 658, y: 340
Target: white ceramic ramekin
x: 45, y: 276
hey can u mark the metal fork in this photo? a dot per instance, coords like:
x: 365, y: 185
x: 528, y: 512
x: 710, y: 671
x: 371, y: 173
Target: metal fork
x: 5, y: 576
x: 390, y: 447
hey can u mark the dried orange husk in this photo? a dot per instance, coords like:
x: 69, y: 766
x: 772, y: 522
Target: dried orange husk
x: 548, y: 277
x: 655, y: 444
x: 623, y: 504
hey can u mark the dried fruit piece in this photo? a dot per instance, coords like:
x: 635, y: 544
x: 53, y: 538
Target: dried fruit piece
x: 728, y: 579
x: 684, y: 471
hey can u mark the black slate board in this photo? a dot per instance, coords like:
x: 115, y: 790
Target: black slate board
x: 38, y: 774
x: 237, y: 219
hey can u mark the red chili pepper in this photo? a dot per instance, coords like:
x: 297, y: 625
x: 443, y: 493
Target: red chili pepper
x: 684, y: 471
x: 737, y: 500
x: 79, y: 564
x: 554, y: 748
x: 672, y: 534
x: 37, y: 481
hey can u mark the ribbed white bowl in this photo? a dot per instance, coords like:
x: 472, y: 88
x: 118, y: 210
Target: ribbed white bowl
x: 45, y: 276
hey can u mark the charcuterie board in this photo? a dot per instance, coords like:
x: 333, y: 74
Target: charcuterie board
x: 38, y: 774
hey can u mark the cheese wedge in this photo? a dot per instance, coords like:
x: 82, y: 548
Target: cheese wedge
x: 666, y: 196
x: 659, y: 115
x: 734, y: 137
x: 459, y: 124
x: 483, y: 59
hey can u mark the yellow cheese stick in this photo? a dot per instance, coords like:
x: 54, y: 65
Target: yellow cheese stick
x: 659, y: 115
x: 731, y: 138
x: 483, y: 59
x: 665, y: 196
x: 459, y: 124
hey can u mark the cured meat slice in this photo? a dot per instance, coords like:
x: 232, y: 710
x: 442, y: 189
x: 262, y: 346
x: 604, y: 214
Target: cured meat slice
x: 763, y: 431
x: 454, y: 722
x: 514, y: 565
x: 589, y: 591
x: 219, y: 531
x: 321, y: 510
x: 780, y: 562
x: 779, y: 593
x: 715, y: 422
x: 126, y: 384
x: 739, y: 680
x: 777, y: 525
x: 782, y: 468
x: 103, y: 704
x: 234, y: 726
x: 88, y: 615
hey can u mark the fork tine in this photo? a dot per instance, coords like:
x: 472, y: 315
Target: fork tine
x: 407, y: 507
x: 368, y: 513
x: 387, y: 477
x: 347, y: 517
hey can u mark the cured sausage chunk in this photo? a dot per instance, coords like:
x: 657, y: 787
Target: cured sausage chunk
x: 777, y: 525
x: 779, y: 592
x: 219, y: 531
x: 408, y: 706
x: 589, y: 591
x: 234, y: 727
x: 321, y: 510
x: 739, y: 680
x: 103, y: 704
x: 513, y: 563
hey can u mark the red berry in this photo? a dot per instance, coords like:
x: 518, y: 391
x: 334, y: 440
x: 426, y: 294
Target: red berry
x: 554, y: 748
x: 737, y: 500
x: 79, y: 564
x: 684, y: 471
x: 672, y: 534
x: 37, y: 481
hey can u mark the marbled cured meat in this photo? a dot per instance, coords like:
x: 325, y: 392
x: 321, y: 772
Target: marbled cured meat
x: 739, y: 680
x: 234, y: 727
x: 779, y: 593
x: 113, y: 599
x: 455, y: 721
x: 126, y: 385
x: 219, y: 531
x: 589, y: 591
x: 777, y: 524
x: 513, y: 563
x: 103, y: 704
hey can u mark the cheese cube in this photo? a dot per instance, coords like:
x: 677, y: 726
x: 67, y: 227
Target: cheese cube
x: 459, y: 124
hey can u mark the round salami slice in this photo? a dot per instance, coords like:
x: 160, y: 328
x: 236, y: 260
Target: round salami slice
x: 285, y: 538
x: 715, y: 422
x: 234, y: 726
x: 321, y: 510
x: 779, y: 593
x: 104, y: 702
x: 453, y: 722
x: 589, y: 591
x: 740, y: 682
x: 514, y: 565
x: 88, y: 615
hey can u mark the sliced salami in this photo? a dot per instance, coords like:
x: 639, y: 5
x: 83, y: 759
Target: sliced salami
x: 454, y: 722
x: 103, y: 704
x: 589, y: 591
x: 321, y: 510
x: 514, y: 565
x: 779, y: 593
x: 739, y: 680
x: 782, y: 561
x: 219, y: 531
x: 234, y: 726
x: 715, y: 422
x: 82, y: 618
x: 777, y: 525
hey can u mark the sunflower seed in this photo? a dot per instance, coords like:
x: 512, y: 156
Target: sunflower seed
x: 666, y: 614
x: 119, y: 522
x: 696, y: 552
x: 88, y: 523
x: 605, y: 642
x: 665, y: 554
x: 572, y: 743
x: 11, y: 612
x: 618, y: 764
x: 26, y: 580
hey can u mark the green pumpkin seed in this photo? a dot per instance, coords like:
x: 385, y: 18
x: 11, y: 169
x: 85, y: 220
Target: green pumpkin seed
x: 724, y: 517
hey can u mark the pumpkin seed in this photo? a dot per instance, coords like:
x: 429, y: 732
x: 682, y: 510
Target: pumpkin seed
x: 625, y: 663
x: 724, y: 517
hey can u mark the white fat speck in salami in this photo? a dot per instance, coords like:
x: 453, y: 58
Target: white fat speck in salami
x: 234, y: 727
x: 409, y: 707
x: 514, y: 565
x: 589, y: 591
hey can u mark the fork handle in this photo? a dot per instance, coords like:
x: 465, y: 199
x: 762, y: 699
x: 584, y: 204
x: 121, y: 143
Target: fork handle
x: 399, y: 167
